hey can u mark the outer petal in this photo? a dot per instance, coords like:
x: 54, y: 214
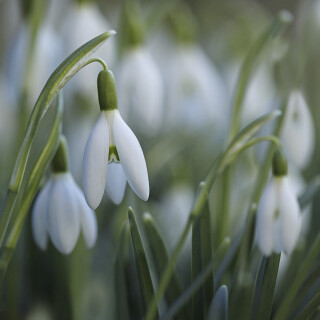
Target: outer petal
x: 265, y: 220
x: 95, y: 162
x: 131, y: 157
x: 63, y: 222
x: 88, y: 220
x: 116, y: 182
x: 289, y: 216
x: 39, y: 217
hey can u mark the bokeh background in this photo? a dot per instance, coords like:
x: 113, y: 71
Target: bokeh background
x: 200, y: 44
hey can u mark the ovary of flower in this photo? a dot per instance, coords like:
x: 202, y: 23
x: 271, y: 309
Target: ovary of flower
x: 60, y: 211
x: 111, y: 140
x: 278, y: 218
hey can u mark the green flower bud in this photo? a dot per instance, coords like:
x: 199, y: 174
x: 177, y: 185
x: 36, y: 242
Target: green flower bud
x: 107, y: 91
x: 279, y: 164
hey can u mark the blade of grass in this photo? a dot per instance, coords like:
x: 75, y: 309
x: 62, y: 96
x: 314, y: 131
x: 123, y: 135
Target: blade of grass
x: 143, y: 270
x: 219, y: 306
x: 120, y: 276
x: 301, y: 275
x: 262, y: 299
x: 196, y: 284
x: 161, y: 257
x: 201, y: 256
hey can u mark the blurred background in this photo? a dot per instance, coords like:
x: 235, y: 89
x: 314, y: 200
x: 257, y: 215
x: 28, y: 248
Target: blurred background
x: 176, y: 65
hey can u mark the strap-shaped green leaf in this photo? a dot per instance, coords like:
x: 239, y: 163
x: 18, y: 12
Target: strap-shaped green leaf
x: 143, y: 270
x: 198, y: 282
x: 301, y: 276
x: 310, y: 309
x: 120, y: 276
x: 264, y: 288
x: 219, y: 306
x: 161, y: 257
x: 201, y: 256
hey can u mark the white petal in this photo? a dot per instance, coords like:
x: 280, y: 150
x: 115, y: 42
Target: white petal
x: 289, y: 216
x: 39, y: 217
x: 88, y: 220
x: 63, y: 222
x: 131, y: 157
x: 298, y: 132
x: 116, y: 182
x: 265, y: 220
x: 95, y: 162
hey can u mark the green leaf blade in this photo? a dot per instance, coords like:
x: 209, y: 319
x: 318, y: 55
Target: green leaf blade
x: 142, y: 266
x: 219, y: 306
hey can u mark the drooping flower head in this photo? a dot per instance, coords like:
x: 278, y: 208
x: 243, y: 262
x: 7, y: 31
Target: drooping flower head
x: 298, y: 133
x: 278, y: 217
x: 112, y: 141
x: 141, y: 88
x: 61, y: 211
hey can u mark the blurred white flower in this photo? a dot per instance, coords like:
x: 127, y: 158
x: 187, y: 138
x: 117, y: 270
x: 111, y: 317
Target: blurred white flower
x: 141, y: 91
x: 278, y: 218
x: 298, y: 133
x: 82, y: 23
x: 196, y: 93
x: 174, y: 212
x: 47, y: 55
x: 112, y: 140
x: 60, y: 211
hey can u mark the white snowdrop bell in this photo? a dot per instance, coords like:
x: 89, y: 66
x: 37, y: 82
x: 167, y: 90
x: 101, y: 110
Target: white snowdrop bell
x: 298, y: 133
x: 111, y: 140
x: 60, y: 212
x: 278, y: 218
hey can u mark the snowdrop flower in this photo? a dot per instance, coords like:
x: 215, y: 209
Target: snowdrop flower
x: 83, y: 22
x: 298, y: 133
x: 278, y: 217
x: 141, y: 91
x: 60, y: 210
x: 196, y: 93
x: 111, y: 140
x: 47, y: 55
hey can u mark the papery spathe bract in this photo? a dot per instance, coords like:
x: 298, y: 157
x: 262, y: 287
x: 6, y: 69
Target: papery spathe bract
x: 278, y: 218
x: 298, y: 134
x: 60, y: 211
x: 141, y: 91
